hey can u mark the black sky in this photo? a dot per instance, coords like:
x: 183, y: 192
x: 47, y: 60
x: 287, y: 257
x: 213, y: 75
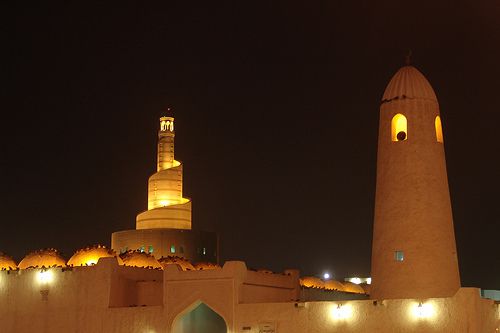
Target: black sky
x: 276, y: 108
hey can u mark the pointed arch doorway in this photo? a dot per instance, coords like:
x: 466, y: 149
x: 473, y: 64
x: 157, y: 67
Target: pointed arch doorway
x: 199, y: 318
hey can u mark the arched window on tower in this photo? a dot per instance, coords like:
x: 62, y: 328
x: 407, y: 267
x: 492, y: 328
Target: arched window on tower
x: 439, y: 129
x: 399, y: 128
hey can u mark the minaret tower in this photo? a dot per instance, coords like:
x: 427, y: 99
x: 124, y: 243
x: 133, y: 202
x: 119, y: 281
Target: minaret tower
x: 166, y: 136
x: 164, y: 229
x: 414, y: 253
x: 166, y: 206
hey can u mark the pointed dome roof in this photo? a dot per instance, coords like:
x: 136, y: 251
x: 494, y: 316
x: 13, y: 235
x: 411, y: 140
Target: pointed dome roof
x: 408, y: 82
x: 42, y: 258
x: 140, y: 259
x: 90, y: 256
x: 6, y: 262
x: 174, y: 260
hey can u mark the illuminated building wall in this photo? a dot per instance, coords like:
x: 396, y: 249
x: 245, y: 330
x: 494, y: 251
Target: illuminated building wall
x: 111, y: 298
x: 414, y: 252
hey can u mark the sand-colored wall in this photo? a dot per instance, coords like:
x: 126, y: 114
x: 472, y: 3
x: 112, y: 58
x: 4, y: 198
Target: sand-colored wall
x: 464, y: 312
x: 84, y: 299
x: 75, y: 300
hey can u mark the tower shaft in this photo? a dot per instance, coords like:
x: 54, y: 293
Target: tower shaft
x: 414, y: 252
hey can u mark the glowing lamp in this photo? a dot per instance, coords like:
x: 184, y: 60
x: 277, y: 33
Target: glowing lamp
x: 340, y: 311
x: 326, y: 276
x: 423, y: 310
x: 45, y: 277
x: 164, y: 203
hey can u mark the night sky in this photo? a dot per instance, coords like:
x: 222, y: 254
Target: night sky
x: 276, y: 108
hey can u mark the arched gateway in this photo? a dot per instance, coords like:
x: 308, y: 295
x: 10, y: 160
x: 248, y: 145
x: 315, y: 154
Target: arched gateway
x: 199, y: 318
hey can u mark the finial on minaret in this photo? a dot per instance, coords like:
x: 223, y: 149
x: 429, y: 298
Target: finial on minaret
x: 408, y: 58
x: 169, y: 112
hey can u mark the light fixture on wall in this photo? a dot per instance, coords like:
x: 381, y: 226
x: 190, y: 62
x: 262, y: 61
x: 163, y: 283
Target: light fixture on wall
x: 45, y: 276
x: 341, y: 311
x: 423, y: 310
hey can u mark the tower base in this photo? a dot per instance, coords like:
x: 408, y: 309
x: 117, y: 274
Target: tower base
x: 195, y: 246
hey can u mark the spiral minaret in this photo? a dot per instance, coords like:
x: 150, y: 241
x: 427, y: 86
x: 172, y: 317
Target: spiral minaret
x: 166, y: 206
x: 165, y: 229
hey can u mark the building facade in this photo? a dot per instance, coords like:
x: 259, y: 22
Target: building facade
x: 416, y: 286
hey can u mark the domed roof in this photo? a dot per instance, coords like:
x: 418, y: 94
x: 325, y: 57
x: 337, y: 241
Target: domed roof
x: 140, y: 259
x: 334, y: 285
x: 312, y: 282
x: 6, y: 262
x: 203, y: 266
x: 408, y: 82
x: 174, y: 260
x: 42, y: 258
x: 353, y: 288
x: 90, y: 256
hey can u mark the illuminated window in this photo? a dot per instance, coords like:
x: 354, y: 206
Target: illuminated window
x: 399, y: 256
x: 399, y: 128
x: 204, y: 250
x: 439, y: 129
x: 151, y: 249
x: 141, y: 248
x: 172, y: 248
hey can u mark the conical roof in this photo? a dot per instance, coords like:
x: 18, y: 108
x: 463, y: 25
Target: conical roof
x: 408, y: 82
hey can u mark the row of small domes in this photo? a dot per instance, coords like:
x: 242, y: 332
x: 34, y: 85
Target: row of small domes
x: 317, y: 283
x: 90, y: 256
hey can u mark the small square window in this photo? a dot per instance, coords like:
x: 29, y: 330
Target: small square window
x: 399, y: 255
x: 172, y: 248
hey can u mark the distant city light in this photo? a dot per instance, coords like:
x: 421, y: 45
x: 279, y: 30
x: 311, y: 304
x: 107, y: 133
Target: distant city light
x: 359, y: 280
x: 326, y: 276
x: 356, y: 280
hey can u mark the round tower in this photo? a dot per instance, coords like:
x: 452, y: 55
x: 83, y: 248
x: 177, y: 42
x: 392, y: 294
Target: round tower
x: 413, y: 253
